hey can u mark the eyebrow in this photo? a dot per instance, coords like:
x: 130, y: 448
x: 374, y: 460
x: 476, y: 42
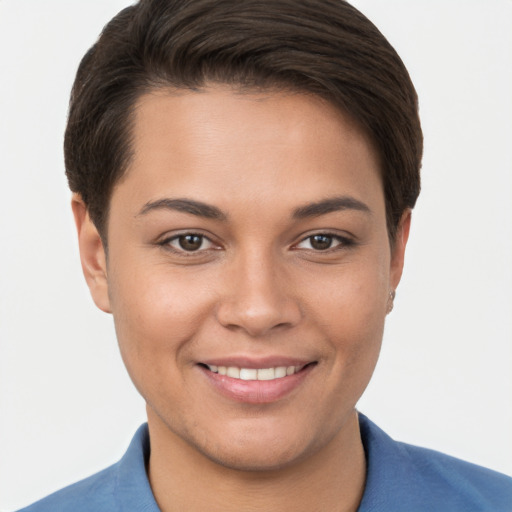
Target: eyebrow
x: 333, y: 204
x: 208, y: 211
x: 184, y: 205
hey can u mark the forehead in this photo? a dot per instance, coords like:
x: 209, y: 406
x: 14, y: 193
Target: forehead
x: 231, y: 115
x: 265, y: 145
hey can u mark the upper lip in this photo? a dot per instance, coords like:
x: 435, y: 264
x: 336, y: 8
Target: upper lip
x: 256, y: 362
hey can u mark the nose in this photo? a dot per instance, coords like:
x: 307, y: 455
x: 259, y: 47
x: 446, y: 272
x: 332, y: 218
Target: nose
x: 258, y: 298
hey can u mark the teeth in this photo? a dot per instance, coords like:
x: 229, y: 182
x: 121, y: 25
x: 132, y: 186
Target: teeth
x: 253, y: 373
x: 266, y: 374
x: 246, y: 374
x: 233, y: 371
x: 280, y: 371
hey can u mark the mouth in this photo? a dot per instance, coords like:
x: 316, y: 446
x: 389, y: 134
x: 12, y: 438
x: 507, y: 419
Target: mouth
x: 256, y: 385
x: 277, y: 372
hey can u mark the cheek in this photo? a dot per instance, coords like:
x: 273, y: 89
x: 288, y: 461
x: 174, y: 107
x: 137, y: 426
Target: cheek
x: 156, y: 314
x: 351, y: 296
x: 350, y: 309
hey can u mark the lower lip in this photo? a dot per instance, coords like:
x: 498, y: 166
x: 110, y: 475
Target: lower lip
x: 256, y: 391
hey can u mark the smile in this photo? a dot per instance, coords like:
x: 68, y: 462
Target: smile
x: 256, y: 385
x: 255, y: 373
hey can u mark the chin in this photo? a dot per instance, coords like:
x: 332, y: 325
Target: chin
x: 261, y: 446
x: 255, y: 456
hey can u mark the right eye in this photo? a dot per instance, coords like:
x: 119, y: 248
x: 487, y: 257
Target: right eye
x: 188, y: 242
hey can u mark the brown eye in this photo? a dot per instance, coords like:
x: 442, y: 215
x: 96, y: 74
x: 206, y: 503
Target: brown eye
x: 190, y: 242
x: 325, y: 242
x: 321, y: 242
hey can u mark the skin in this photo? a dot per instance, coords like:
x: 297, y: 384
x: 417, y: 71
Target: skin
x: 256, y: 287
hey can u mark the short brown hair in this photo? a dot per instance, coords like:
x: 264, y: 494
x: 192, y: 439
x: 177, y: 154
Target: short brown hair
x: 324, y: 47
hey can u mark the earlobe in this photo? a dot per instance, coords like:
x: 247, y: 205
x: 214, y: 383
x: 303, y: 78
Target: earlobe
x: 92, y: 254
x: 398, y: 249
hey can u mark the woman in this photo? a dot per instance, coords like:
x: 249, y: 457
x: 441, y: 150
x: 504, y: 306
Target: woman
x: 243, y: 178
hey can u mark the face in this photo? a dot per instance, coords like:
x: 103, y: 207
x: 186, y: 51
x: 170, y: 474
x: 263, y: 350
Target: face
x: 248, y: 271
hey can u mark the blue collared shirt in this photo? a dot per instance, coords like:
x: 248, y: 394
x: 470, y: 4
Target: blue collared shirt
x: 400, y: 478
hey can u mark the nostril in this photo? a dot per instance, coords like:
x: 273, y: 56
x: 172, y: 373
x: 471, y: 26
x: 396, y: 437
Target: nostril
x: 258, y: 319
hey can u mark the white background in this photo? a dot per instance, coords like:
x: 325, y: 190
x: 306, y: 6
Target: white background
x: 67, y: 407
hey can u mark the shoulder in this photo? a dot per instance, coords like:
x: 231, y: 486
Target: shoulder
x: 122, y: 486
x: 406, y: 477
x: 93, y: 493
x: 476, y: 487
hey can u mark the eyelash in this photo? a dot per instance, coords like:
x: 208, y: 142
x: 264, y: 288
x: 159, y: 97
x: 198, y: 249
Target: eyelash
x: 342, y: 243
x: 166, y: 244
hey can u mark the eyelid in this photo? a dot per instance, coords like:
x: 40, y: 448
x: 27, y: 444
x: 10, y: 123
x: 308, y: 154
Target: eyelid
x: 344, y: 241
x: 166, y: 240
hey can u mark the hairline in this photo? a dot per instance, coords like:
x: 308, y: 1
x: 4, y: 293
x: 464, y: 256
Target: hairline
x: 275, y: 87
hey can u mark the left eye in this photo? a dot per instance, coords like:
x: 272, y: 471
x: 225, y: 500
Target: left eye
x: 320, y: 242
x: 189, y: 242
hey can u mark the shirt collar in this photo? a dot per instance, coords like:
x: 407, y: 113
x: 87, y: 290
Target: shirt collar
x: 132, y: 488
x: 390, y: 474
x: 392, y: 480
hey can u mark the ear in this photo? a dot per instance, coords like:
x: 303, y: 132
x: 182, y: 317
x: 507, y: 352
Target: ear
x: 398, y: 249
x: 92, y: 254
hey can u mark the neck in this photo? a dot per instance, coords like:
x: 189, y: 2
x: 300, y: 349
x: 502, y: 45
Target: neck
x: 182, y: 478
